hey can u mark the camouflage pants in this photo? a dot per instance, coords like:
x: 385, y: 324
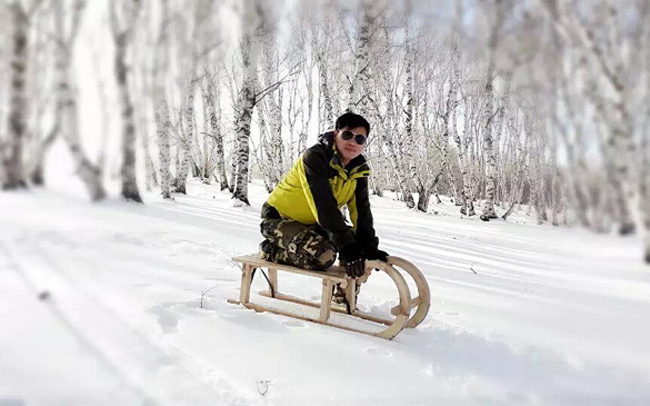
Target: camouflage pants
x: 297, y: 244
x: 293, y: 243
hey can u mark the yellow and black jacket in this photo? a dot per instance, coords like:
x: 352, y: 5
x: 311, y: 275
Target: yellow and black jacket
x: 316, y: 188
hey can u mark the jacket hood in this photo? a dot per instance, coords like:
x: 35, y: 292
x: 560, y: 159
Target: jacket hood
x: 326, y: 139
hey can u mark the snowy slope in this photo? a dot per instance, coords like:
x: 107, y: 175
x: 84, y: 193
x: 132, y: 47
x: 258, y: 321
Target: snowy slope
x: 521, y: 314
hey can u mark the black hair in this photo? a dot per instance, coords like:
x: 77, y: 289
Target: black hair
x: 351, y: 120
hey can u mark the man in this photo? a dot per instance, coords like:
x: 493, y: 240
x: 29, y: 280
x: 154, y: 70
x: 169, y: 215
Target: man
x: 302, y: 221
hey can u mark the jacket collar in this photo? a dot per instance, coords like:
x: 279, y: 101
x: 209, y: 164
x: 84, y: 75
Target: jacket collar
x: 358, y: 167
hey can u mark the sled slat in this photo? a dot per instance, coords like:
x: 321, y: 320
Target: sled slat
x: 260, y: 308
x: 326, y: 300
x: 245, y: 290
x: 273, y: 277
x: 414, y: 303
x: 335, y: 273
x: 355, y: 313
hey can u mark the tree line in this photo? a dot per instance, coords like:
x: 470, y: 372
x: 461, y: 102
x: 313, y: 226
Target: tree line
x: 502, y: 105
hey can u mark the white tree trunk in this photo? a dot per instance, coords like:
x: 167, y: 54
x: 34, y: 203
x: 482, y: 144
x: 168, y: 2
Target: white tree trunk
x: 122, y: 36
x: 325, y: 109
x: 35, y: 164
x: 423, y: 193
x: 242, y: 133
x: 161, y: 107
x: 273, y: 104
x: 233, y: 164
x: 488, y: 150
x: 215, y: 123
x: 266, y: 162
x: 450, y: 108
x: 359, y: 88
x: 252, y: 20
x: 488, y: 211
x: 37, y: 175
x: 14, y: 176
x: 150, y: 172
x: 467, y: 203
x: 187, y: 138
x: 644, y: 179
x: 645, y: 192
x: 67, y: 107
x: 162, y: 125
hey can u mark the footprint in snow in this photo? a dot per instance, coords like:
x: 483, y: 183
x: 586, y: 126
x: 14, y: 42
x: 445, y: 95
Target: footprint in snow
x: 447, y: 313
x: 379, y: 351
x: 167, y: 320
x: 222, y: 279
x: 294, y: 323
x: 131, y: 239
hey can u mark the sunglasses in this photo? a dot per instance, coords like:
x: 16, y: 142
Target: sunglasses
x: 358, y: 138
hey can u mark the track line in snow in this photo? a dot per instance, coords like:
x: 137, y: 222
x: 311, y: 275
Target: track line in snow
x: 149, y: 361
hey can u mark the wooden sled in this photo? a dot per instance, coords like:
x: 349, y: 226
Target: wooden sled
x: 336, y: 274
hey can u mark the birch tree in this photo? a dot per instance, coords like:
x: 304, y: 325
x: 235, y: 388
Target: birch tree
x: 358, y: 98
x: 187, y: 136
x: 214, y: 111
x: 161, y: 106
x: 271, y: 106
x: 42, y: 90
x: 5, y: 69
x: 67, y: 107
x: 644, y: 150
x: 488, y: 211
x: 252, y: 21
x: 467, y: 205
x: 301, y: 92
x: 144, y: 98
x: 323, y: 31
x: 123, y: 18
x: 12, y: 159
x: 185, y: 35
x: 644, y: 185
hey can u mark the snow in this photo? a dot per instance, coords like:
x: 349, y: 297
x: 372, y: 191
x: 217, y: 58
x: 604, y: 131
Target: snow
x: 101, y: 306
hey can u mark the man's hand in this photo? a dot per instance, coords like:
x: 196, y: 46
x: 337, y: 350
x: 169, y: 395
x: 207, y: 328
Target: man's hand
x: 352, y: 258
x: 377, y: 254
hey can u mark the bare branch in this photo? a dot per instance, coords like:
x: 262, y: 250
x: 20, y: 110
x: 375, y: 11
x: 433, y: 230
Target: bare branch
x: 271, y: 88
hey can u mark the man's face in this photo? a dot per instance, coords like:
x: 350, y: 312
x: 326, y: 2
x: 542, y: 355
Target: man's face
x: 349, y: 149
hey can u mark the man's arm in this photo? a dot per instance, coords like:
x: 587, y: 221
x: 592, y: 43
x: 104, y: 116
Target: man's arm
x: 315, y: 183
x: 361, y: 217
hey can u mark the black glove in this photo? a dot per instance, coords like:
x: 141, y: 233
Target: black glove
x: 374, y: 253
x: 352, y: 258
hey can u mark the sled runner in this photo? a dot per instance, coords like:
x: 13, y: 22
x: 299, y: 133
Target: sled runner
x: 336, y: 274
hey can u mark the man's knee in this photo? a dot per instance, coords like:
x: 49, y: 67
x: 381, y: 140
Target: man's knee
x: 309, y: 250
x: 320, y: 253
x: 327, y: 256
x: 300, y: 245
x: 281, y: 231
x: 269, y: 227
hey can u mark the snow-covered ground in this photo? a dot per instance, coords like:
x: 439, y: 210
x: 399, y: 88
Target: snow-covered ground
x: 100, y: 304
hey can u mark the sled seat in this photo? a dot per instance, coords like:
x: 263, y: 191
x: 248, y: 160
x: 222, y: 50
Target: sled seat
x: 336, y: 275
